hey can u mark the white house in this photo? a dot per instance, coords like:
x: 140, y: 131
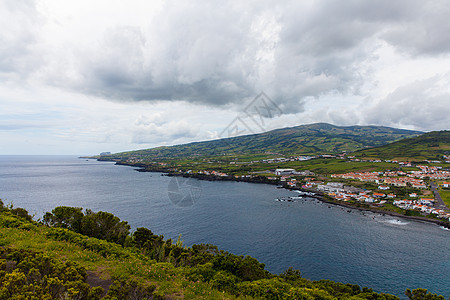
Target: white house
x: 284, y: 171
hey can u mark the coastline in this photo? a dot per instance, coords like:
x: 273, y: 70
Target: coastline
x: 262, y: 179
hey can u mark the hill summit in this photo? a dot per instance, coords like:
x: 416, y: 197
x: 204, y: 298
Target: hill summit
x: 312, y: 139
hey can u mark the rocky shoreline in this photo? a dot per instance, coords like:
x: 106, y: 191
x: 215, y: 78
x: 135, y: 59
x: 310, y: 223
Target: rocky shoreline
x: 389, y: 213
x: 262, y: 179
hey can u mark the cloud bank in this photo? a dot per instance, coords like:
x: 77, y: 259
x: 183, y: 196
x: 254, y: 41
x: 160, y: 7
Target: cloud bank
x: 353, y: 62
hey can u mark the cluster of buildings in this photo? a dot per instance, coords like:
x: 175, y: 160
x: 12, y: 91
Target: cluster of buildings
x: 385, y: 179
x: 373, y: 198
x: 284, y: 159
x: 285, y: 172
x: 391, y: 178
x: 401, y: 163
x: 430, y: 172
x: 340, y: 192
x: 399, y: 178
x: 290, y: 159
x: 423, y: 205
x: 215, y: 173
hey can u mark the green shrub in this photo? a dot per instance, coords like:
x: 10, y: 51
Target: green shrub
x: 101, y: 247
x: 273, y: 288
x: 34, y: 275
x: 130, y: 289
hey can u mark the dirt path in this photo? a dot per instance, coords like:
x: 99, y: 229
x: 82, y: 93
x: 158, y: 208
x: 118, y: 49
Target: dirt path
x: 94, y: 280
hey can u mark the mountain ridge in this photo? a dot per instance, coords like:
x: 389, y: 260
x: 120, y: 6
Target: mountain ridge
x: 430, y: 145
x: 310, y: 139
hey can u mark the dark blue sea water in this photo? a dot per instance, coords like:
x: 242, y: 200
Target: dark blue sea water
x: 323, y: 241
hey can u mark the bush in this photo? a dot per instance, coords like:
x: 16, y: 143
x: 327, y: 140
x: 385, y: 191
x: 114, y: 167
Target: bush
x: 102, y: 225
x: 225, y: 281
x: 422, y: 294
x: 22, y: 213
x: 101, y: 247
x: 274, y: 288
x: 34, y: 275
x: 130, y: 289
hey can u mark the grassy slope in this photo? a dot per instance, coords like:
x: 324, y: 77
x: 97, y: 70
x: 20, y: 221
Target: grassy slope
x: 431, y: 146
x: 336, y: 166
x: 323, y: 166
x: 305, y: 139
x: 445, y: 195
x: 165, y: 276
x: 125, y: 264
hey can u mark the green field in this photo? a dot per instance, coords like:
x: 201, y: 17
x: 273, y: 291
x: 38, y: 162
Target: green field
x: 445, y: 195
x: 321, y: 166
x: 337, y: 166
x: 429, y: 146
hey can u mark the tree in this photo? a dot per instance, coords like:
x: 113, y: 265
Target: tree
x: 142, y: 236
x: 422, y: 294
x: 65, y: 217
x: 291, y: 275
x: 106, y: 226
x: 23, y: 213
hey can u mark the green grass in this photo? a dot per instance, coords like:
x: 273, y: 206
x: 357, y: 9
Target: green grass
x: 169, y: 280
x: 329, y: 166
x: 391, y: 207
x: 445, y: 195
x: 321, y: 166
x: 429, y: 146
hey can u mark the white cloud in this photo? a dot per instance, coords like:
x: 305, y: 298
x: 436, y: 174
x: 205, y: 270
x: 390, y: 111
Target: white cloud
x: 421, y: 104
x: 120, y: 75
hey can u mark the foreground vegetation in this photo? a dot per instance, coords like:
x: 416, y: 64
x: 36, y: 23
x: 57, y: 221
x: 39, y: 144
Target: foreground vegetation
x: 61, y: 256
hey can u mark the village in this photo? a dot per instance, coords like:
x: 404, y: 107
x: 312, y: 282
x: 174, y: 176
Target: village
x: 378, y: 196
x: 410, y: 180
x: 423, y: 202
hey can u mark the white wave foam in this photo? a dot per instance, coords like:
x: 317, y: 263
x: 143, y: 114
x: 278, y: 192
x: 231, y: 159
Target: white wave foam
x: 396, y: 222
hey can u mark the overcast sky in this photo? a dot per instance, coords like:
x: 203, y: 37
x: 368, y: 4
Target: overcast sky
x: 82, y: 77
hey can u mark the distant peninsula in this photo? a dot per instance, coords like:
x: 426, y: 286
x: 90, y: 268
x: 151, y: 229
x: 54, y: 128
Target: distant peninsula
x: 394, y: 171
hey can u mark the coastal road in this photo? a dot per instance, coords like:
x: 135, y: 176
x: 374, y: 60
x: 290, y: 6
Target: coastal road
x: 439, y: 204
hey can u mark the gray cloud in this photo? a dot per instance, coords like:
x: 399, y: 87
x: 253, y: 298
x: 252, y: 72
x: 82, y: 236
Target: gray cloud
x: 200, y: 64
x: 424, y: 31
x: 217, y: 55
x: 146, y: 131
x: 422, y: 104
x: 18, y: 39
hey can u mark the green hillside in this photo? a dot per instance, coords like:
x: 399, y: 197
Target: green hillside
x: 310, y: 139
x: 428, y: 146
x: 71, y: 254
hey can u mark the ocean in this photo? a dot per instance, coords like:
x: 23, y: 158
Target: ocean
x: 323, y: 241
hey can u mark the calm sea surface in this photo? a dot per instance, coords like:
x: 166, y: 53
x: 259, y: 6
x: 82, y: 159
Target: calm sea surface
x: 322, y: 241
